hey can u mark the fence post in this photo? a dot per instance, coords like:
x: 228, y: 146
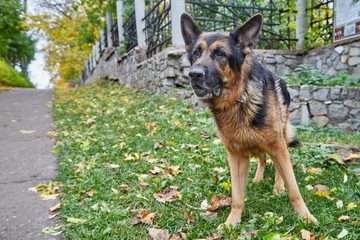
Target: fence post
x: 140, y: 23
x: 94, y: 54
x: 301, y: 23
x: 109, y: 24
x: 120, y: 21
x: 102, y: 40
x: 177, y: 8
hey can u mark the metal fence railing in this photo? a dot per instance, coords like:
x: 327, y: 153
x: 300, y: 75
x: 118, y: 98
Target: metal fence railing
x: 157, y: 26
x: 130, y: 34
x: 221, y: 15
x: 321, y: 14
x: 115, y: 34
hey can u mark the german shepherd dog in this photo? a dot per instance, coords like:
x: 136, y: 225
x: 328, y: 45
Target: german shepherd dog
x: 249, y: 104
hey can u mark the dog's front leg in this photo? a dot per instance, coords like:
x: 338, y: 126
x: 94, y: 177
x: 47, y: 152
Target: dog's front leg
x: 282, y: 161
x: 239, y: 167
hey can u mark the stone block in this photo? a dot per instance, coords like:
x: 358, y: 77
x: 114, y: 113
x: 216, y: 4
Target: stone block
x: 338, y: 111
x: 300, y: 116
x: 279, y: 59
x: 293, y: 93
x: 321, y: 121
x: 334, y: 55
x: 283, y: 70
x: 305, y: 116
x: 321, y: 95
x: 317, y: 108
x: 331, y: 72
x: 335, y: 93
x: 344, y: 58
x: 170, y: 72
x: 352, y: 104
x: 339, y: 49
x: 184, y: 61
x: 305, y: 93
x: 186, y: 71
x: 354, y: 51
x: 293, y: 106
x: 354, y: 61
x: 269, y: 60
x: 340, y: 66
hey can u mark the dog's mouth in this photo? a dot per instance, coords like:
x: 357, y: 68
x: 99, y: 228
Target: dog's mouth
x: 202, y: 92
x: 199, y: 91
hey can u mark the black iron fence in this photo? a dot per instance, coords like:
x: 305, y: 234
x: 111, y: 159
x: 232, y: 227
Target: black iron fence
x: 221, y: 15
x: 130, y: 34
x: 158, y: 26
x: 320, y: 17
x: 115, y: 34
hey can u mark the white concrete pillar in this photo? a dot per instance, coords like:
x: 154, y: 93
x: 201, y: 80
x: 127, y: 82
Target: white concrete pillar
x: 94, y: 54
x: 301, y: 23
x: 140, y: 23
x: 109, y: 24
x: 177, y: 8
x: 120, y: 21
x: 102, y: 40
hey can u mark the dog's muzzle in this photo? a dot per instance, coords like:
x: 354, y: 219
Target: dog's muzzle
x: 199, y: 84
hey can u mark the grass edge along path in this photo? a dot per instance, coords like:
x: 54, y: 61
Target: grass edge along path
x: 133, y: 165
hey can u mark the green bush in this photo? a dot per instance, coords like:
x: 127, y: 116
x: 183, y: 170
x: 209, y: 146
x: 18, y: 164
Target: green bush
x: 10, y: 77
x: 308, y: 75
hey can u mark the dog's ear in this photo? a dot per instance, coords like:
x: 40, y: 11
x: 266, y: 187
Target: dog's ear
x: 189, y: 29
x: 246, y: 34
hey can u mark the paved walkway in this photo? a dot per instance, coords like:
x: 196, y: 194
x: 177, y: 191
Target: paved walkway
x: 25, y: 161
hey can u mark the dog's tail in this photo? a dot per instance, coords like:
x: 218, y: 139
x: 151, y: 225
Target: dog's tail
x: 290, y: 136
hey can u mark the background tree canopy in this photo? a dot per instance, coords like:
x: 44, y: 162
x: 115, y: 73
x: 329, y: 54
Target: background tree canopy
x: 16, y: 46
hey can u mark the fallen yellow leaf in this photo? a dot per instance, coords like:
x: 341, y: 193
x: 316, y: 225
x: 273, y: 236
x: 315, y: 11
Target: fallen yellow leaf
x: 75, y: 220
x: 27, y: 131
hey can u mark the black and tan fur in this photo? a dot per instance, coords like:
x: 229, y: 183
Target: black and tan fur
x: 249, y: 104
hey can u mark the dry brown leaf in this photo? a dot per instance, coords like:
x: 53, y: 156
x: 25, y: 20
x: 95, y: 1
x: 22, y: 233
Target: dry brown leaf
x: 124, y: 187
x: 169, y: 195
x: 144, y: 217
x: 142, y: 185
x: 209, y: 216
x: 323, y: 188
x: 191, y: 218
x: 91, y: 193
x: 155, y: 171
x: 171, y: 171
x: 205, y: 135
x: 219, y: 201
x: 343, y: 218
x: 158, y: 144
x: 159, y: 234
x: 55, y: 208
x: 306, y: 235
x: 190, y: 179
x: 150, y: 125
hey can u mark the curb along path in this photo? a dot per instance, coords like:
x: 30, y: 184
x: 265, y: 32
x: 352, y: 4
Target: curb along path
x: 25, y: 162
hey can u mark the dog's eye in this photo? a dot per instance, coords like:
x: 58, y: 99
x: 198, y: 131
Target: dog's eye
x: 196, y: 53
x: 220, y: 53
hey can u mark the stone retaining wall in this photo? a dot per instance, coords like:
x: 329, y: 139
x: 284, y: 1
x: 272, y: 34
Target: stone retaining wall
x: 169, y: 70
x: 333, y: 58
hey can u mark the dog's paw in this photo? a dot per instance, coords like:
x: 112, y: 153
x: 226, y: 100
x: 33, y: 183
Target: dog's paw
x: 257, y: 179
x: 311, y: 219
x: 224, y: 226
x: 278, y: 190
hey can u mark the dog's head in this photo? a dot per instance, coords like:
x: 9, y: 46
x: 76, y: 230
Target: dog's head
x: 217, y: 57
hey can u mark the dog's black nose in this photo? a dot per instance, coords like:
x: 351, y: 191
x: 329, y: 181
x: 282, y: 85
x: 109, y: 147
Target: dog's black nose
x: 197, y: 73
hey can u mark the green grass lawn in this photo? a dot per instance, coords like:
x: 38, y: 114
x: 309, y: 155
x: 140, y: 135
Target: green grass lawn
x: 118, y: 148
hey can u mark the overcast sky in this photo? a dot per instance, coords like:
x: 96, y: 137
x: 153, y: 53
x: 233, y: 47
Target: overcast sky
x: 38, y: 75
